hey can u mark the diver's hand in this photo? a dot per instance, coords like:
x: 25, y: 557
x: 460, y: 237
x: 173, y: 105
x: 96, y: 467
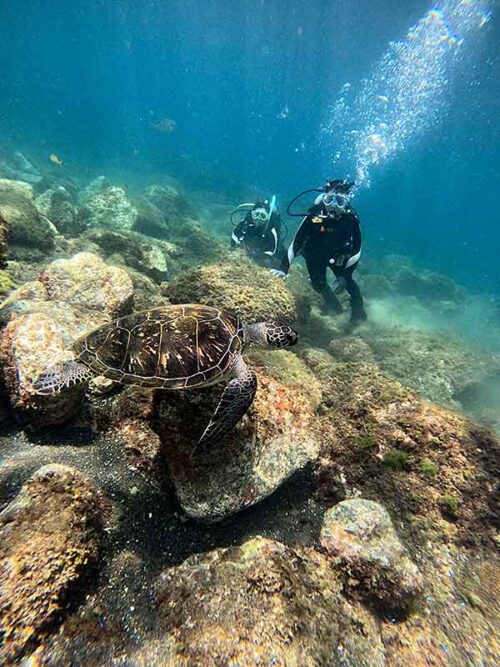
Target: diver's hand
x: 278, y: 273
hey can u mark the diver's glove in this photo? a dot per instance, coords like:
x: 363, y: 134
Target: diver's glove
x: 278, y: 273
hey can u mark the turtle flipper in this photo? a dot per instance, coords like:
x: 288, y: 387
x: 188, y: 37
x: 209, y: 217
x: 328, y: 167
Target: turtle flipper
x: 235, y: 401
x: 61, y: 376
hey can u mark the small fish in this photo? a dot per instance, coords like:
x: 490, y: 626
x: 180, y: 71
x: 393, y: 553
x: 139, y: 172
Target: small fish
x: 165, y: 125
x: 53, y: 158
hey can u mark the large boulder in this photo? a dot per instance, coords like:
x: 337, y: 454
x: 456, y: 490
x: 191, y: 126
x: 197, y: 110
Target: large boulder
x: 239, y: 285
x: 429, y: 466
x: 49, y: 536
x: 359, y: 536
x: 96, y: 187
x: 110, y: 209
x: 70, y: 297
x: 275, y: 440
x: 152, y: 257
x: 21, y: 222
x: 263, y: 604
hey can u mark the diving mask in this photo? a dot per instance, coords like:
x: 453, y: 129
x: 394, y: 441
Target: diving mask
x: 260, y: 215
x: 335, y: 200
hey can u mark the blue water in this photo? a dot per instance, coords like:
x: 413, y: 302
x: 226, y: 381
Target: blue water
x: 250, y: 85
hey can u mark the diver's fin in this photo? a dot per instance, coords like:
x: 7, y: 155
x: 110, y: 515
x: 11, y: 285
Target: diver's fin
x: 61, y: 376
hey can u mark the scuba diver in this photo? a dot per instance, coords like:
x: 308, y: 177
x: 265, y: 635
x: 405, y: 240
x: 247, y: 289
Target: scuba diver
x: 329, y: 237
x: 260, y: 231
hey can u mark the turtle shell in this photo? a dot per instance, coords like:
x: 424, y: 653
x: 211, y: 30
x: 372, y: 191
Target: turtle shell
x: 171, y: 347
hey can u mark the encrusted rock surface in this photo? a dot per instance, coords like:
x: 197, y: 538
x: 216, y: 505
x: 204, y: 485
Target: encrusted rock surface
x: 148, y: 256
x: 239, y: 285
x: 20, y: 218
x: 69, y: 299
x: 110, y: 209
x: 264, y: 604
x: 438, y: 366
x: 359, y: 536
x: 49, y: 535
x: 56, y: 204
x: 274, y: 440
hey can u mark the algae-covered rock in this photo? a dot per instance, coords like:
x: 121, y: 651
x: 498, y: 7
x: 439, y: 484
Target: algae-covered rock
x: 272, y: 442
x: 49, y: 535
x: 240, y: 285
x: 96, y: 187
x: 21, y: 221
x: 70, y: 298
x: 263, y: 604
x: 151, y: 220
x: 150, y: 257
x: 351, y: 348
x: 440, y: 367
x: 18, y: 168
x: 110, y: 209
x: 86, y: 282
x: 168, y: 200
x: 382, y: 441
x: 56, y: 204
x: 359, y: 536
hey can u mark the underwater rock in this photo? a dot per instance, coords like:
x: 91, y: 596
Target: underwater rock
x: 150, y: 257
x: 56, y: 204
x: 110, y: 209
x: 151, y: 221
x: 71, y: 297
x: 87, y: 283
x: 351, y: 348
x: 168, y: 200
x: 49, y: 535
x: 360, y: 538
x: 21, y: 221
x: 18, y: 168
x: 95, y: 187
x: 428, y: 466
x: 198, y: 245
x: 142, y: 446
x: 239, y: 285
x: 263, y: 604
x: 29, y: 344
x: 271, y: 443
x: 427, y: 286
x: 437, y: 365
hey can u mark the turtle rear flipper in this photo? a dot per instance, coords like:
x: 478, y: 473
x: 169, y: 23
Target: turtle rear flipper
x: 235, y: 401
x: 61, y: 376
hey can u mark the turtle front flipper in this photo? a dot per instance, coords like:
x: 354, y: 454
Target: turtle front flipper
x: 61, y: 376
x: 235, y: 401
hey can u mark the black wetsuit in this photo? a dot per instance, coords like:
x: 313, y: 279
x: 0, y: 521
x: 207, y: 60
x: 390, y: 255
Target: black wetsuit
x: 262, y: 240
x: 330, y: 240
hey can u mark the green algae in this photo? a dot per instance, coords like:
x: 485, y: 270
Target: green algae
x: 396, y: 459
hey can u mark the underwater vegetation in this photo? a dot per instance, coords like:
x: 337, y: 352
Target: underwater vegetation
x: 348, y: 518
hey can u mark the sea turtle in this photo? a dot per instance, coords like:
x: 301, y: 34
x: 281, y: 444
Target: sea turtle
x: 173, y: 347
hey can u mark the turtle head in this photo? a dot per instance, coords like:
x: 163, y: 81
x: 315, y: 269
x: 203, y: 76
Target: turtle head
x: 271, y: 334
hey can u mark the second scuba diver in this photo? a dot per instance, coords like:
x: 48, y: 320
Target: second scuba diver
x: 260, y: 232
x: 329, y: 237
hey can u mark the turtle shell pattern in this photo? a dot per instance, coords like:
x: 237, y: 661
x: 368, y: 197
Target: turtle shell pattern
x: 171, y: 347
